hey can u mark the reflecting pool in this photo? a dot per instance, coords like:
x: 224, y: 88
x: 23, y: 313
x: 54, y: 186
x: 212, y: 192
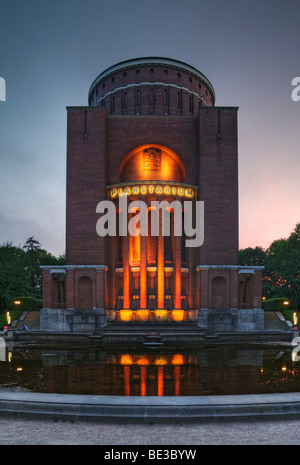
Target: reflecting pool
x: 219, y: 370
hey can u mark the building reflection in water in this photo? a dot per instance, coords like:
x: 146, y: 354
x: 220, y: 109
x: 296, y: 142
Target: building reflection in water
x: 207, y: 371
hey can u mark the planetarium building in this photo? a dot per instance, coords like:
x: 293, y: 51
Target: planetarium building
x: 152, y: 136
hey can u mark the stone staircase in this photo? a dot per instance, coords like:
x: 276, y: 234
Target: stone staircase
x: 29, y: 319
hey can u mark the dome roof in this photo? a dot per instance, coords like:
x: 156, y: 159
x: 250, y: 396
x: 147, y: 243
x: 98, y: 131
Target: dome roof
x: 153, y: 62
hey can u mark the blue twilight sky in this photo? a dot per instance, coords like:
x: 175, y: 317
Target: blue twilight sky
x: 51, y: 51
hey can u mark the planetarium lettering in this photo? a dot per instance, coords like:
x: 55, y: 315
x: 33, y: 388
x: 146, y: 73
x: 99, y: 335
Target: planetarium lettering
x: 152, y: 189
x: 134, y: 219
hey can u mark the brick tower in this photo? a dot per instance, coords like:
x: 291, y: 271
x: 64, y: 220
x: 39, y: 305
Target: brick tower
x: 152, y: 132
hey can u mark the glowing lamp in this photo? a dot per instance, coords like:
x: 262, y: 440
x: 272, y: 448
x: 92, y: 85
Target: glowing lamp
x: 295, y: 319
x: 286, y: 302
x: 17, y: 302
x: 143, y: 315
x: 125, y: 315
x: 177, y: 359
x: 178, y: 315
x: 126, y: 359
x: 161, y: 361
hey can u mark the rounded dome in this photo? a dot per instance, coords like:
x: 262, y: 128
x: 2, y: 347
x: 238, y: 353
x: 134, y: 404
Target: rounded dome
x: 151, y: 86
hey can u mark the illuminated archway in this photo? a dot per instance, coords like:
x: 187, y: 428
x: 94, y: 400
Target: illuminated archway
x: 152, y: 162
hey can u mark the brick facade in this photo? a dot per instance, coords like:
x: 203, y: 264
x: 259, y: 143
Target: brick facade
x: 167, y: 107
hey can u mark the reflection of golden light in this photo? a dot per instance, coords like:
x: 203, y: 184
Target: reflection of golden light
x: 143, y: 361
x: 8, y: 318
x: 143, y: 315
x: 9, y: 356
x: 126, y: 359
x: 160, y: 381
x: 178, y: 315
x: 283, y: 368
x: 125, y: 315
x: 286, y: 302
x: 19, y: 369
x: 177, y: 359
x: 295, y: 318
x: 161, y: 360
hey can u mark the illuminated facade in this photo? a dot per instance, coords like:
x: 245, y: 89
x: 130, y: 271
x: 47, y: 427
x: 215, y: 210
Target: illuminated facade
x: 152, y: 132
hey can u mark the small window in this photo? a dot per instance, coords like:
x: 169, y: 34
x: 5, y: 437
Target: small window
x: 179, y: 100
x: 125, y: 99
x: 113, y: 104
x: 151, y: 96
x: 165, y: 97
x: 138, y: 97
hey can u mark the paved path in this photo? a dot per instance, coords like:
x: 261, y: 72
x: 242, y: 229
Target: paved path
x: 45, y: 432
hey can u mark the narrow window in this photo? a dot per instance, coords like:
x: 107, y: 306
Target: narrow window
x: 165, y: 97
x: 113, y: 104
x: 138, y: 97
x: 179, y: 100
x: 151, y: 96
x: 125, y: 99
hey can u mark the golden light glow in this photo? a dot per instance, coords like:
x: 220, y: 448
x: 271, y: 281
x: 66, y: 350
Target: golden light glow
x: 161, y: 360
x: 126, y: 359
x: 178, y: 315
x: 295, y: 319
x: 263, y: 298
x: 283, y: 368
x: 181, y: 190
x: 161, y: 314
x: 286, y: 302
x: 19, y: 369
x: 8, y: 318
x: 143, y: 361
x: 177, y: 359
x: 17, y: 302
x: 142, y: 315
x: 160, y: 381
x: 125, y: 315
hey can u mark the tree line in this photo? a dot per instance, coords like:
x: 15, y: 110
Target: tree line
x: 21, y: 277
x: 281, y: 275
x: 20, y: 274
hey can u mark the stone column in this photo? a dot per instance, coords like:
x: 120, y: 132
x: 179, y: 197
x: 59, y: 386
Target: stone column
x: 177, y: 272
x: 160, y: 267
x: 143, y: 272
x: 126, y: 273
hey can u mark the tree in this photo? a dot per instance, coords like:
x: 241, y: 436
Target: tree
x: 252, y: 257
x: 20, y: 273
x: 283, y: 267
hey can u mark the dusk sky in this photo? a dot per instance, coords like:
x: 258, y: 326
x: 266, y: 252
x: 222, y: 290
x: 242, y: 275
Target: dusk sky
x: 51, y: 51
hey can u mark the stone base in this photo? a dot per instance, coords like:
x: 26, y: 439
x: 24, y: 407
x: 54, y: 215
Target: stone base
x: 230, y: 320
x: 73, y: 320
